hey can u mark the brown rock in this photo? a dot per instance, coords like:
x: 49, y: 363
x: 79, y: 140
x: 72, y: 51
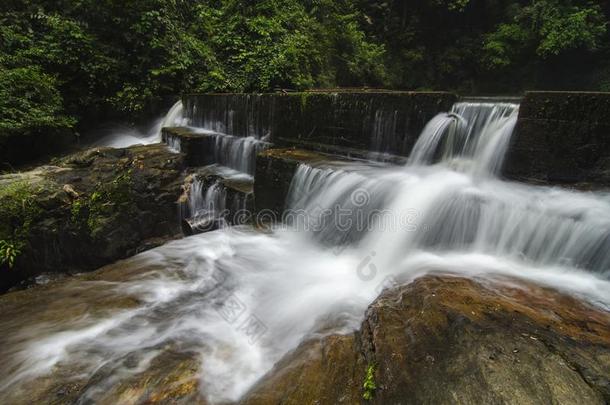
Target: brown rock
x: 91, y: 208
x: 450, y: 340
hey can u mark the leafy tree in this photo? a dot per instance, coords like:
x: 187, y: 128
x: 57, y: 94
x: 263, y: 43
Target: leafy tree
x: 96, y: 59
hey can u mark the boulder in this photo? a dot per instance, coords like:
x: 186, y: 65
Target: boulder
x: 441, y: 339
x: 451, y: 340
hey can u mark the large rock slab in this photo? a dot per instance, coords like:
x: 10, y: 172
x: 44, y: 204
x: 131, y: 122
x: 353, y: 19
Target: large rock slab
x: 89, y: 209
x: 451, y: 340
x: 562, y: 138
x: 441, y: 339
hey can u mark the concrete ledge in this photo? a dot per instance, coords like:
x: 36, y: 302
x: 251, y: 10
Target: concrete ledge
x: 379, y: 121
x: 237, y: 190
x: 194, y: 146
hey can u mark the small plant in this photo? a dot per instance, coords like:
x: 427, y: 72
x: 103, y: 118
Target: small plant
x: 76, y: 209
x: 20, y: 210
x: 369, y: 383
x: 8, y: 253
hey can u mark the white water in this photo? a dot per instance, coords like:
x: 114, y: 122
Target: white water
x: 291, y: 284
x: 128, y: 136
x: 234, y: 152
x: 204, y: 201
x: 475, y: 134
x: 238, y: 153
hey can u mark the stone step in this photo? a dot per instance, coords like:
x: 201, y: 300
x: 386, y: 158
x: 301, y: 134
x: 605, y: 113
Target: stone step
x: 276, y: 168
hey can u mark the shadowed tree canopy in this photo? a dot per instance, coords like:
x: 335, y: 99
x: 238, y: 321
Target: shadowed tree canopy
x: 62, y: 61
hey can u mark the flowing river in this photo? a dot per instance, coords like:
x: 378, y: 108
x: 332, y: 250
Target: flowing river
x: 241, y: 298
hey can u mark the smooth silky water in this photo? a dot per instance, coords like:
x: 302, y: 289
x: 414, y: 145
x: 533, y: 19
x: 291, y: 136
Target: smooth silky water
x: 241, y: 299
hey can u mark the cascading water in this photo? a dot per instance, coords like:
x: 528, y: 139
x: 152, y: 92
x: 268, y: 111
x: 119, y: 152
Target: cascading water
x: 126, y: 137
x: 385, y: 226
x: 474, y: 133
x: 238, y: 153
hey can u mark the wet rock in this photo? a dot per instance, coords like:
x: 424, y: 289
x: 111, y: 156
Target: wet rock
x: 450, y: 340
x: 171, y: 377
x: 324, y: 371
x: 89, y: 209
x: 438, y: 340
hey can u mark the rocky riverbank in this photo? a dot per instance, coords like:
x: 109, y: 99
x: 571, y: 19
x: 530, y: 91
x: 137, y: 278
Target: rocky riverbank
x: 88, y: 209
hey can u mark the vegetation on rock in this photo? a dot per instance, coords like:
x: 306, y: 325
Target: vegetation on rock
x: 107, y: 200
x: 369, y: 385
x: 20, y: 210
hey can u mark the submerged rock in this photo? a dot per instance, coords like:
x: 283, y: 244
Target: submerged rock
x: 88, y: 209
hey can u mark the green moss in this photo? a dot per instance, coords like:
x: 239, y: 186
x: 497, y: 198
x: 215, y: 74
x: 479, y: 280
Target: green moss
x: 304, y: 97
x: 369, y: 385
x: 20, y: 209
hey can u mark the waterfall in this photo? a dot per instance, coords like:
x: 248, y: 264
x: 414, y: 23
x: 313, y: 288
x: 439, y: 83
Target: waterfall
x: 238, y: 153
x: 211, y: 203
x: 473, y: 133
x: 173, y: 118
x: 240, y: 115
x: 351, y: 230
x: 384, y: 131
x: 126, y: 137
x: 205, y: 199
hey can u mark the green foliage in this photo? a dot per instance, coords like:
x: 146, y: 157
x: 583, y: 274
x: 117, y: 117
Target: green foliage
x: 20, y: 210
x: 106, y: 201
x: 567, y: 27
x: 369, y: 385
x: 29, y: 98
x: 62, y: 60
x: 543, y: 29
x: 8, y: 253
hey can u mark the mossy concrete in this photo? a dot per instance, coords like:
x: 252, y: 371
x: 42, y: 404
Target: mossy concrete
x: 381, y: 121
x: 198, y: 149
x: 562, y: 138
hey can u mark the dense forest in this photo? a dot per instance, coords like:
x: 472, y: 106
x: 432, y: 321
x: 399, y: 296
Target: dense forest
x: 65, y: 62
